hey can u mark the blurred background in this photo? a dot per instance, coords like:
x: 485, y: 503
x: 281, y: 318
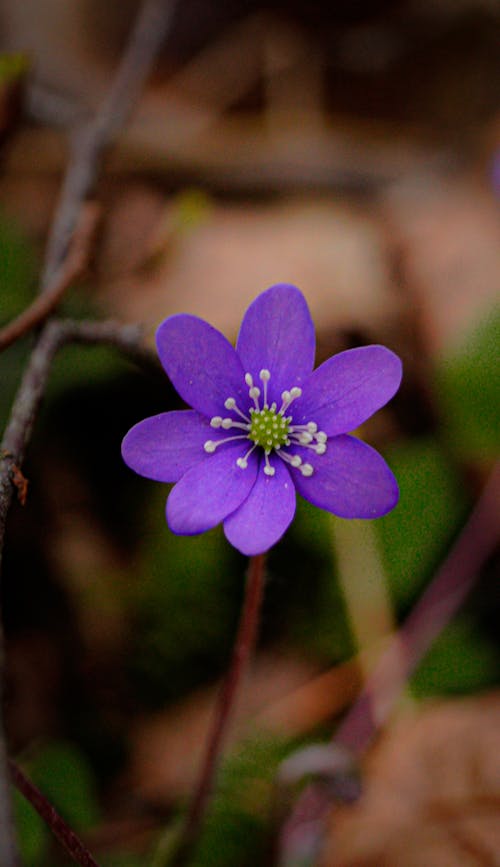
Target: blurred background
x: 351, y: 148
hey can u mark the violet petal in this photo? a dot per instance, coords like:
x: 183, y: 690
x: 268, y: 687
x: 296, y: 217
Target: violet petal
x: 163, y: 447
x: 201, y: 363
x: 265, y: 514
x: 351, y: 479
x: 348, y: 388
x: 210, y: 491
x: 277, y: 334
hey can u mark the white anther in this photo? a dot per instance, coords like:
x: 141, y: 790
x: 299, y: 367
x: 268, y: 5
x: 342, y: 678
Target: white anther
x: 295, y: 392
x: 226, y: 423
x: 311, y: 426
x: 321, y: 436
x: 254, y: 392
x: 230, y: 403
x: 285, y: 397
x: 320, y: 449
x: 265, y: 376
x: 306, y: 469
x: 242, y: 463
x: 305, y: 438
x: 249, y: 379
x: 210, y: 446
x: 295, y: 460
x: 268, y: 469
x: 216, y: 421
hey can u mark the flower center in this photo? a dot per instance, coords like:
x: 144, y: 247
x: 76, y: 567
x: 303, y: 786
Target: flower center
x: 268, y: 428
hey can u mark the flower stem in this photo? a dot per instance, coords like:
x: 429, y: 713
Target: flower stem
x: 243, y: 647
x: 66, y: 836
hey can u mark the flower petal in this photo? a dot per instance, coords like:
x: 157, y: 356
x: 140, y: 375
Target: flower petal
x: 202, y: 364
x: 277, y: 333
x: 210, y: 491
x: 265, y: 514
x: 351, y: 480
x: 163, y: 447
x: 348, y: 388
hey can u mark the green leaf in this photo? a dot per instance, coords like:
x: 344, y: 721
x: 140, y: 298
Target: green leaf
x: 64, y: 776
x: 415, y: 535
x: 468, y: 383
x: 32, y: 834
x: 461, y: 660
x: 13, y: 65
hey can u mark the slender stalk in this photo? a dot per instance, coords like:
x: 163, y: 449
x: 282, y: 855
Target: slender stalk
x: 73, y: 845
x: 243, y: 647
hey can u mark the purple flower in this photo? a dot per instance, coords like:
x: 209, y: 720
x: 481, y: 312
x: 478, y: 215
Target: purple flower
x: 264, y: 425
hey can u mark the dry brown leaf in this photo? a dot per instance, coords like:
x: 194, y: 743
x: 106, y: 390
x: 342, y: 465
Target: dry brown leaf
x: 332, y: 251
x: 432, y: 793
x: 449, y: 240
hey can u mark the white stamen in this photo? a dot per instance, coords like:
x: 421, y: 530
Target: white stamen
x: 293, y: 460
x: 211, y: 445
x: 288, y: 397
x: 216, y: 421
x: 249, y: 379
x: 321, y: 436
x: 306, y: 469
x: 320, y: 448
x: 226, y: 423
x: 242, y: 463
x: 254, y: 393
x: 265, y: 376
x: 230, y: 403
x: 268, y: 469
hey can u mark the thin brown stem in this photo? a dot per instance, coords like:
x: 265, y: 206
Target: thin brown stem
x: 73, y: 266
x: 242, y: 650
x: 436, y: 607
x: 66, y: 836
x: 90, y: 141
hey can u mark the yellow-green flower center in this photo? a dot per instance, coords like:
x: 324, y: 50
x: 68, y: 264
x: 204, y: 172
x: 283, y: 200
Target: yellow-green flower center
x: 268, y: 428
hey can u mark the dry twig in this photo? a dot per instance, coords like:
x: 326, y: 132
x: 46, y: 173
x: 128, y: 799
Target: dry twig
x: 73, y: 266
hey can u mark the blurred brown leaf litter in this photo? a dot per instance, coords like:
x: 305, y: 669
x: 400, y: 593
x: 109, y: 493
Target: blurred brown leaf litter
x: 431, y: 792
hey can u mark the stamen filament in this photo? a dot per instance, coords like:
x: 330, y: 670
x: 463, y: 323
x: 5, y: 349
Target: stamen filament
x: 211, y: 445
x: 243, y: 462
x: 268, y: 469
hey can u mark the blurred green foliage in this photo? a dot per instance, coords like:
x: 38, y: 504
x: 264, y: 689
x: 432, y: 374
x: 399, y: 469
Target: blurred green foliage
x: 460, y: 661
x: 61, y: 771
x: 415, y: 535
x: 468, y: 390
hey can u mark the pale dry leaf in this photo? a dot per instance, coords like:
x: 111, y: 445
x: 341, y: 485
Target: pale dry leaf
x: 432, y: 793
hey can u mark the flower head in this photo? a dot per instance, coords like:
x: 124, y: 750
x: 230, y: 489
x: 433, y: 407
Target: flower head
x: 264, y: 425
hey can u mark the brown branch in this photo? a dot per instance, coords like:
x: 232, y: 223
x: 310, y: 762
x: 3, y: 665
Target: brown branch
x: 127, y: 338
x: 73, y: 266
x: 66, y: 836
x: 90, y: 141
